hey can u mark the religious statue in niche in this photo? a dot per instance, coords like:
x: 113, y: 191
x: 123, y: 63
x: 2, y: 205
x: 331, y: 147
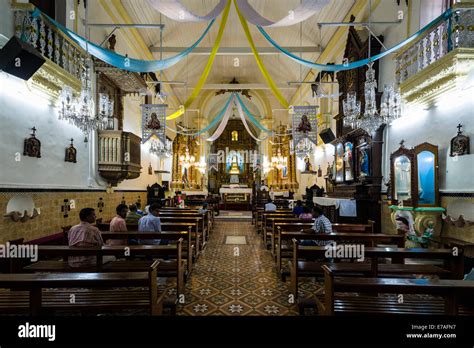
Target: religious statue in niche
x: 305, y: 125
x: 71, y: 153
x: 235, y: 136
x: 459, y: 144
x: 307, y: 164
x: 348, y: 169
x: 153, y: 123
x: 32, y: 146
x: 320, y: 172
x: 329, y: 171
x: 363, y: 161
x: 150, y: 169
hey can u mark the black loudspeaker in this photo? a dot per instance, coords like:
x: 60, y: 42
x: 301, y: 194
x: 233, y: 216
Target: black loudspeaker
x: 327, y: 135
x: 20, y: 59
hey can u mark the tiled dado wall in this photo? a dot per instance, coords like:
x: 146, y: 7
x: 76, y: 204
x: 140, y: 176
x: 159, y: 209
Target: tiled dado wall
x: 465, y: 233
x: 52, y: 218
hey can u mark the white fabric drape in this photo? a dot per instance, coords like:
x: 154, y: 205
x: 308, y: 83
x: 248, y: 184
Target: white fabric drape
x: 223, y: 123
x: 244, y: 121
x: 304, y: 11
x: 176, y: 11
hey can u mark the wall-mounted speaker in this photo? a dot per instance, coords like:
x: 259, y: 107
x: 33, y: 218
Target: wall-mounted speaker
x: 20, y: 59
x: 327, y: 135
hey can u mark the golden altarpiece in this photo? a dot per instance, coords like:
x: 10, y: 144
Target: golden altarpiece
x: 186, y: 156
x: 282, y: 175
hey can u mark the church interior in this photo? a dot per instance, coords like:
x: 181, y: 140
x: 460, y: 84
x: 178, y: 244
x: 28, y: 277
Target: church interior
x: 236, y: 158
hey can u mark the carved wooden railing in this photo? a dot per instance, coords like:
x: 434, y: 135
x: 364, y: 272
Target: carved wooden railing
x: 48, y: 40
x: 119, y: 156
x: 455, y: 32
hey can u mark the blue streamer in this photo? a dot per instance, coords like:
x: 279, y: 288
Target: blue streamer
x: 251, y: 117
x: 446, y: 15
x: 119, y: 61
x: 214, y: 121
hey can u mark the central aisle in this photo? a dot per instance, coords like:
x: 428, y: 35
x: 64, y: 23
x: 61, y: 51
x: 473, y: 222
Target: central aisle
x: 236, y: 279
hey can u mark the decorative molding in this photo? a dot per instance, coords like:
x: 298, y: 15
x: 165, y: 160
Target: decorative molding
x: 50, y: 79
x: 438, y: 78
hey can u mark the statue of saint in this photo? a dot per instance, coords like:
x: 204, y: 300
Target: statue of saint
x: 305, y: 125
x: 307, y: 165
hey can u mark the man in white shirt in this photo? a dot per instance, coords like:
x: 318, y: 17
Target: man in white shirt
x: 151, y: 223
x: 270, y: 206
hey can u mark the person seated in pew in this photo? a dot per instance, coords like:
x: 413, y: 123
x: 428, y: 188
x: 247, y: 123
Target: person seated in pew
x: 151, y: 223
x: 321, y: 225
x: 298, y: 209
x: 118, y: 224
x: 270, y: 206
x: 133, y: 216
x: 86, y: 235
x: 306, y: 214
x: 139, y: 207
x: 204, y: 209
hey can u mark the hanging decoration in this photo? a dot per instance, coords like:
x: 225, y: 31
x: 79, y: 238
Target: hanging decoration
x: 226, y: 116
x: 208, y: 67
x: 176, y: 11
x: 305, y: 10
x: 161, y: 150
x: 305, y: 126
x: 117, y: 60
x: 276, y: 92
x: 244, y: 121
x: 154, y: 122
x: 362, y: 62
x: 251, y: 117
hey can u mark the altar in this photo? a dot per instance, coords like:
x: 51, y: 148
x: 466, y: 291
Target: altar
x: 238, y: 198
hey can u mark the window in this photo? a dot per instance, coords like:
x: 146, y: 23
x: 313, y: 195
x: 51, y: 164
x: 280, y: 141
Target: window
x: 430, y: 9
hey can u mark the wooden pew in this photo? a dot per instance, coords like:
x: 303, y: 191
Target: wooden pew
x: 35, y: 301
x: 453, y: 293
x: 284, y: 248
x: 260, y: 217
x: 301, y: 268
x: 187, y: 248
x: 168, y: 226
x: 171, y: 268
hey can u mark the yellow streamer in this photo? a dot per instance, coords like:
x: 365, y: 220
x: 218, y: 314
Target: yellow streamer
x: 207, y: 69
x: 262, y: 68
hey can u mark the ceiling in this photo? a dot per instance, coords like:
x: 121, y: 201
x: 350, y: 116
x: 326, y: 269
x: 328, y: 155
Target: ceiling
x: 281, y: 68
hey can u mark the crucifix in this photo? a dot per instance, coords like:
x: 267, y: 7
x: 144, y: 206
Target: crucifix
x: 459, y: 128
x: 402, y: 143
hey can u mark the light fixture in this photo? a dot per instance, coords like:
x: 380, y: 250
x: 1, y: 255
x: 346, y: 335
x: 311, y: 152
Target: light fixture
x: 279, y: 161
x: 201, y: 165
x: 157, y: 148
x: 81, y: 111
x: 186, y: 160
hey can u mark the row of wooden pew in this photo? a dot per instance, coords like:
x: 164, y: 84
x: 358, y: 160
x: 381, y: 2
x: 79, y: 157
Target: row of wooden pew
x: 50, y: 284
x: 283, y: 234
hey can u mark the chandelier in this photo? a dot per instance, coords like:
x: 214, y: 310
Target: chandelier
x: 304, y: 148
x: 371, y: 120
x: 186, y: 160
x: 279, y: 161
x: 201, y: 165
x: 80, y: 111
x: 159, y: 149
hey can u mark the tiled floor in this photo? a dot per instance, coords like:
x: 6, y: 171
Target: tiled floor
x: 237, y: 279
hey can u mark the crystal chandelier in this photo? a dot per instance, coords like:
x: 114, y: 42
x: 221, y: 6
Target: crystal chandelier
x: 81, y: 111
x: 371, y: 120
x: 201, y: 165
x: 186, y: 160
x: 106, y: 110
x: 157, y: 148
x: 279, y: 161
x: 304, y: 148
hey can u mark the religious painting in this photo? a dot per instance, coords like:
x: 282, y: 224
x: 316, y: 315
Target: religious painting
x: 71, y: 153
x: 305, y: 124
x: 32, y: 146
x: 363, y: 158
x: 154, y: 122
x: 348, y: 162
x: 459, y: 144
x: 339, y: 168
